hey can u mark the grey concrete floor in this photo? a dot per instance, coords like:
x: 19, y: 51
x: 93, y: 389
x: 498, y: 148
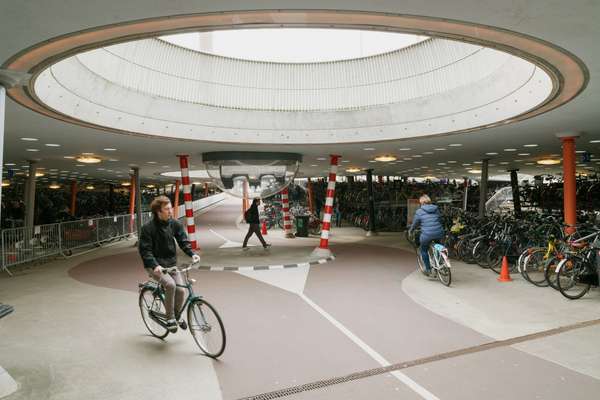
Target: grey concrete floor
x: 77, y: 332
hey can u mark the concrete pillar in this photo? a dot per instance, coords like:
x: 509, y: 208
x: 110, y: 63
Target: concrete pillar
x: 569, y: 181
x: 30, y: 206
x: 138, y: 199
x: 483, y: 183
x: 111, y: 198
x: 73, y: 198
x: 466, y: 194
x: 311, y: 203
x: 371, y: 231
x: 2, y: 116
x: 514, y: 183
x: 131, y: 202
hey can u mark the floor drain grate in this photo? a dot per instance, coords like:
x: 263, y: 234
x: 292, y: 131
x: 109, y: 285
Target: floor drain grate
x: 396, y: 367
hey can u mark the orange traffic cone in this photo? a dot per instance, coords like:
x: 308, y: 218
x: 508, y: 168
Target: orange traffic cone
x: 504, y: 273
x: 263, y: 229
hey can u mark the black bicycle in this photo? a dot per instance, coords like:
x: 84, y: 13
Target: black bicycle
x: 203, y: 321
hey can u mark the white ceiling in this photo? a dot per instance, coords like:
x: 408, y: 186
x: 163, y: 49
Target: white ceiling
x: 570, y: 25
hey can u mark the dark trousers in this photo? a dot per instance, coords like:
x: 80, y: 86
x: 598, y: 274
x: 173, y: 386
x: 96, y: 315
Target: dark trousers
x: 254, y: 228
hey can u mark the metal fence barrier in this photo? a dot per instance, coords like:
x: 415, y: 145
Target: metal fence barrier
x: 25, y: 244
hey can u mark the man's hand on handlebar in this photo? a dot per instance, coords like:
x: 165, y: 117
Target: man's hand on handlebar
x: 195, y: 259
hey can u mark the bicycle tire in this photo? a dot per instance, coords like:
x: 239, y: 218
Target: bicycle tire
x: 444, y: 273
x: 155, y: 329
x: 494, y: 258
x: 200, y: 308
x: 534, y: 267
x: 569, y: 270
x: 420, y: 262
x: 550, y: 272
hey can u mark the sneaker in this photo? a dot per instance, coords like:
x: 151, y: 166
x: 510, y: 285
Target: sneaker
x: 245, y: 248
x: 182, y: 324
x: 172, y: 325
x: 427, y: 272
x: 266, y: 246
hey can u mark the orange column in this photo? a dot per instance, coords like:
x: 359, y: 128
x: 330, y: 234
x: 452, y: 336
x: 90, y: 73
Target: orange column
x: 176, y: 199
x: 311, y: 204
x: 245, y: 199
x: 569, y: 183
x: 205, y: 189
x: 131, y: 203
x: 73, y: 197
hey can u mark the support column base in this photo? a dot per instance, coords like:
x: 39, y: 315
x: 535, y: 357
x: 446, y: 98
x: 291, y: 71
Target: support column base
x: 7, y: 384
x: 372, y: 233
x: 319, y: 253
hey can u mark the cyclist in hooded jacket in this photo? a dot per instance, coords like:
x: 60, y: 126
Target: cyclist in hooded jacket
x: 428, y: 217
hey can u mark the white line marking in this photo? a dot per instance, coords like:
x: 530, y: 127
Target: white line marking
x: 420, y: 390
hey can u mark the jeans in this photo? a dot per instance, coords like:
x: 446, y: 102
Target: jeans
x: 424, y: 247
x: 254, y: 229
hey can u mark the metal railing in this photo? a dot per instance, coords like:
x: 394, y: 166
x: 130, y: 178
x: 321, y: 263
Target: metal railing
x: 26, y: 244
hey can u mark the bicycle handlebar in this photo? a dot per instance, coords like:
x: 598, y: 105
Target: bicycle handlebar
x: 186, y: 267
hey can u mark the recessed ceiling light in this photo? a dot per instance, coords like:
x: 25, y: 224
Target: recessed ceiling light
x: 524, y: 154
x: 454, y: 145
x: 475, y: 171
x: 126, y: 183
x: 580, y: 151
x: 86, y: 159
x: 510, y: 149
x: 595, y: 141
x: 112, y: 160
x: 441, y: 163
x: 372, y: 161
x: 54, y: 186
x: 530, y: 145
x: 9, y: 164
x: 428, y: 152
x: 353, y: 170
x: 404, y: 149
x: 69, y: 157
x: 440, y: 149
x: 151, y: 162
x: 451, y: 162
x: 314, y: 165
x: 504, y: 163
x: 548, y: 161
x: 110, y: 149
x: 31, y: 149
x: 346, y: 161
x: 466, y: 164
x: 491, y: 154
x: 321, y: 159
x: 369, y: 149
x: 417, y: 156
x: 29, y: 139
x: 385, y: 158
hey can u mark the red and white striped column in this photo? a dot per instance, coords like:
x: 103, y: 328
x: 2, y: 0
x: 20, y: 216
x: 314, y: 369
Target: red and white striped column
x: 187, y: 198
x: 285, y: 208
x: 323, y: 249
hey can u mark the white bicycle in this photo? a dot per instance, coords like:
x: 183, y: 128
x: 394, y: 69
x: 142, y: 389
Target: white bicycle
x: 439, y: 261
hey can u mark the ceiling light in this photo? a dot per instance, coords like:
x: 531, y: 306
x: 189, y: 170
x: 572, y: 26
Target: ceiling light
x: 428, y: 152
x: 88, y: 159
x: 9, y: 164
x: 69, y: 157
x: 31, y: 149
x: 455, y: 145
x: 510, y: 149
x: 89, y: 187
x: 39, y: 174
x: 196, y: 183
x: 313, y: 165
x: 417, y: 156
x: 404, y: 149
x: 451, y: 162
x: 466, y: 164
x: 372, y: 161
x: 152, y: 186
x: 475, y: 171
x: 491, y: 154
x: 385, y: 158
x: 504, y: 163
x: 524, y: 154
x: 29, y: 139
x: 110, y: 149
x: 112, y: 160
x: 5, y: 183
x: 52, y: 145
x: 321, y: 159
x: 440, y: 149
x: 530, y: 145
x: 353, y: 170
x: 151, y: 162
x: 346, y: 161
x: 595, y: 141
x: 54, y: 186
x: 126, y: 183
x: 548, y: 161
x: 369, y: 149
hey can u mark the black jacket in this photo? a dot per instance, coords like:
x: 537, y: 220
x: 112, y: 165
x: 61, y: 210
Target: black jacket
x: 251, y: 216
x: 156, y: 244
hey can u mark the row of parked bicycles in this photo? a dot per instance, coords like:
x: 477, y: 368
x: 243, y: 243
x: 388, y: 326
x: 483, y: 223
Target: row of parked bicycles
x: 535, y: 245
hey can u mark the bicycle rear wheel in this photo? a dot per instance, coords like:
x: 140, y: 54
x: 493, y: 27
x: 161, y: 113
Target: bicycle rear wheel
x: 150, y: 301
x: 568, y: 279
x: 550, y: 272
x: 444, y: 273
x: 533, y: 268
x: 494, y: 258
x: 206, y: 328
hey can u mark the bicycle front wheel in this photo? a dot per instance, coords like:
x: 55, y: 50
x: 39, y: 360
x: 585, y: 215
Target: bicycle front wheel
x: 206, y: 328
x: 568, y: 279
x: 149, y: 302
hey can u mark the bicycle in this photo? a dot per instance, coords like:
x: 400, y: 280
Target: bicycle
x: 576, y: 273
x: 203, y: 321
x: 439, y: 261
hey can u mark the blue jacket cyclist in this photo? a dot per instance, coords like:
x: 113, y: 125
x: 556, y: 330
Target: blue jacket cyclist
x: 428, y: 217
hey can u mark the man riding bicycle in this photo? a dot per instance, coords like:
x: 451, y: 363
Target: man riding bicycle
x: 157, y: 249
x: 428, y: 216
